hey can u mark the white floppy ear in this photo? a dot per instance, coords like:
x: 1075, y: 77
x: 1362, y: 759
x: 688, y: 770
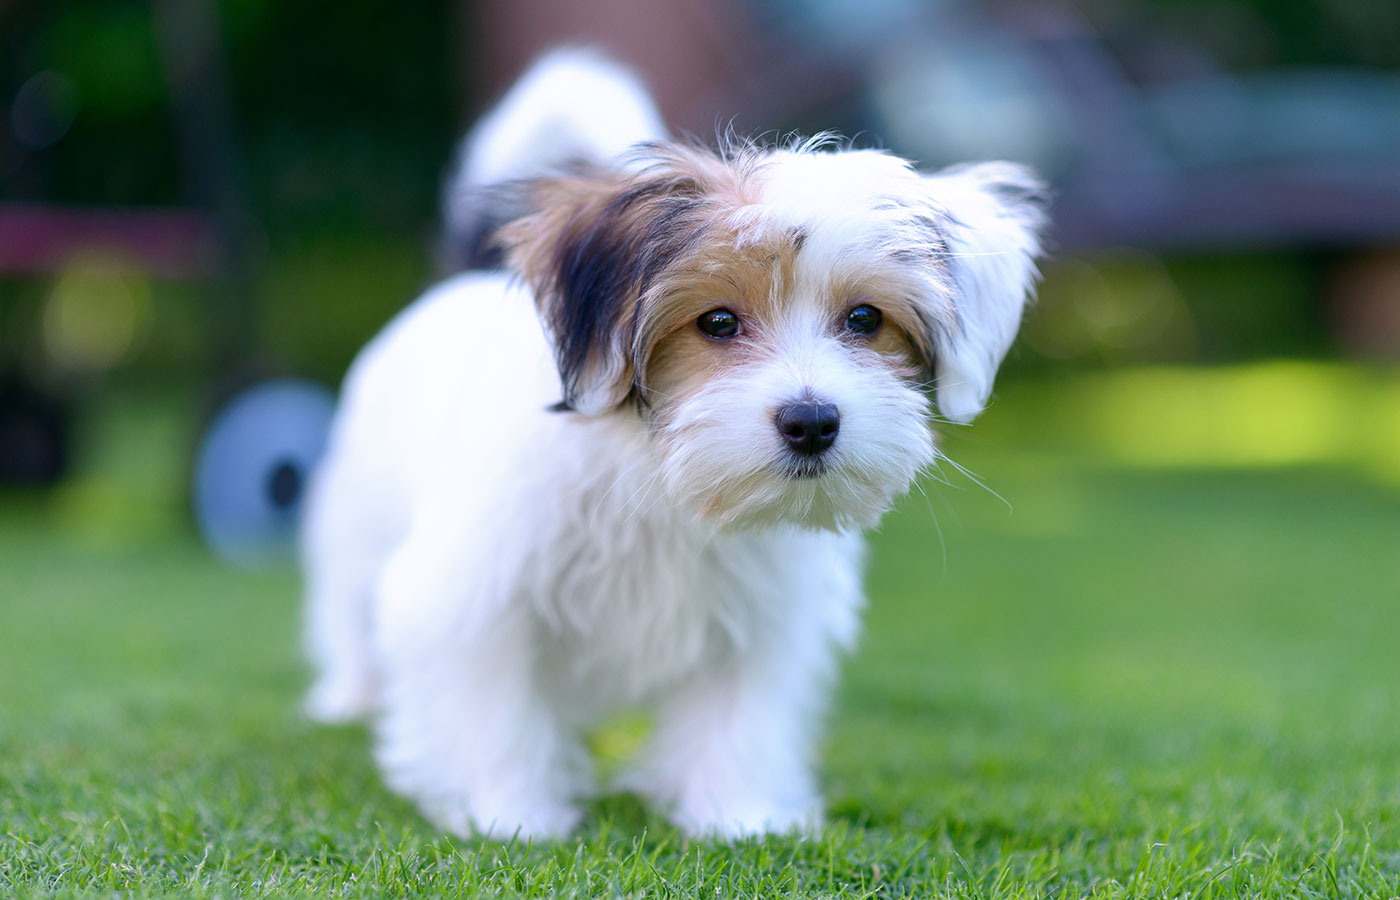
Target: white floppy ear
x: 994, y: 215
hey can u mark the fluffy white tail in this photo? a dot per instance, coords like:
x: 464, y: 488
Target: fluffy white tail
x: 572, y: 105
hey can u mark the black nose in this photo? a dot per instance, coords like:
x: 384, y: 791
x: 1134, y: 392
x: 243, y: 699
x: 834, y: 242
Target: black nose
x: 808, y: 428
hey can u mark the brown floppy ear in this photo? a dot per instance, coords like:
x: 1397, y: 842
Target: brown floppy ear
x: 590, y: 247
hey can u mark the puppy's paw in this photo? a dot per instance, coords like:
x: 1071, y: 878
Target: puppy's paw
x: 541, y: 821
x: 714, y: 815
x: 338, y: 700
x: 752, y: 821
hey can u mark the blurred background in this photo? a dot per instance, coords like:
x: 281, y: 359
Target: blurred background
x: 207, y: 206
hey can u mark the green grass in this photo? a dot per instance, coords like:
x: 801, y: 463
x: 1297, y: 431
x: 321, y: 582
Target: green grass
x: 1143, y: 682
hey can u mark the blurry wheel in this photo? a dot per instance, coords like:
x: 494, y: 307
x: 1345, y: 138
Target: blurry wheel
x: 252, y: 469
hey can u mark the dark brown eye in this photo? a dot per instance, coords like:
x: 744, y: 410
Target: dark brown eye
x: 864, y: 319
x: 720, y: 324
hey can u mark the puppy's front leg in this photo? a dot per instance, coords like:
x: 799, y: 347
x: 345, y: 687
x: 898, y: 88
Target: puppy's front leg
x: 732, y: 752
x: 464, y: 731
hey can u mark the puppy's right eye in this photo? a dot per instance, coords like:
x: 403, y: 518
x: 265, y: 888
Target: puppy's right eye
x: 720, y: 324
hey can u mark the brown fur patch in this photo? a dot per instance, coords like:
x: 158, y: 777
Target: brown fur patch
x: 562, y: 206
x: 753, y: 281
x: 599, y: 245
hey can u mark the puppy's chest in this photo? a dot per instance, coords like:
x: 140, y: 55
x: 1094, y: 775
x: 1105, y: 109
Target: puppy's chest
x: 630, y: 594
x: 623, y: 614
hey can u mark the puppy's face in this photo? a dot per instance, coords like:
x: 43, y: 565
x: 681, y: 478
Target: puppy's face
x: 779, y: 318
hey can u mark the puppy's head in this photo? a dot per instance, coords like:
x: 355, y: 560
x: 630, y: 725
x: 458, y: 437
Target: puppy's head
x: 779, y: 317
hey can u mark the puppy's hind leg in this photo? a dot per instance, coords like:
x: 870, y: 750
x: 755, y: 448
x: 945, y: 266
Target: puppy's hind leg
x: 345, y: 539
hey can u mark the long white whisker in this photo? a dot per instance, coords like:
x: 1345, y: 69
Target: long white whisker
x: 972, y: 476
x: 937, y: 525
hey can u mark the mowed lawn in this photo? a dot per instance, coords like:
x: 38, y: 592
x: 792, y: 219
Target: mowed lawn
x: 1138, y: 682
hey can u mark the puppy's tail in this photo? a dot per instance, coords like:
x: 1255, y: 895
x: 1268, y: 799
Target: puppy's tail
x: 572, y: 105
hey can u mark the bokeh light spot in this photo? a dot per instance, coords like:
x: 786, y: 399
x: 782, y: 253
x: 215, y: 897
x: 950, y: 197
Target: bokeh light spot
x: 1120, y: 307
x: 96, y: 313
x: 43, y: 110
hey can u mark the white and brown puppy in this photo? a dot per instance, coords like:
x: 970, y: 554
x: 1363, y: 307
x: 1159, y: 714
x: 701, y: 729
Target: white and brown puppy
x: 631, y: 471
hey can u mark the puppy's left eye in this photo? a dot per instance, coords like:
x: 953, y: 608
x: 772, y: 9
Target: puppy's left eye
x: 864, y: 319
x: 720, y: 324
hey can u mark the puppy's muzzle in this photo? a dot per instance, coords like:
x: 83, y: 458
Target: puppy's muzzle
x: 809, y: 429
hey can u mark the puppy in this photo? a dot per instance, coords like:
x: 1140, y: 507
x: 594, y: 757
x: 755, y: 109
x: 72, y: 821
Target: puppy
x: 631, y: 471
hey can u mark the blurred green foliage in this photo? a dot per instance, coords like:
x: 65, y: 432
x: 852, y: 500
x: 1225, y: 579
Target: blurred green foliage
x: 345, y: 114
x: 1123, y: 306
x: 344, y: 120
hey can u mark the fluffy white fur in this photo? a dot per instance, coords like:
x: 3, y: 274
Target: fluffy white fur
x: 488, y: 577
